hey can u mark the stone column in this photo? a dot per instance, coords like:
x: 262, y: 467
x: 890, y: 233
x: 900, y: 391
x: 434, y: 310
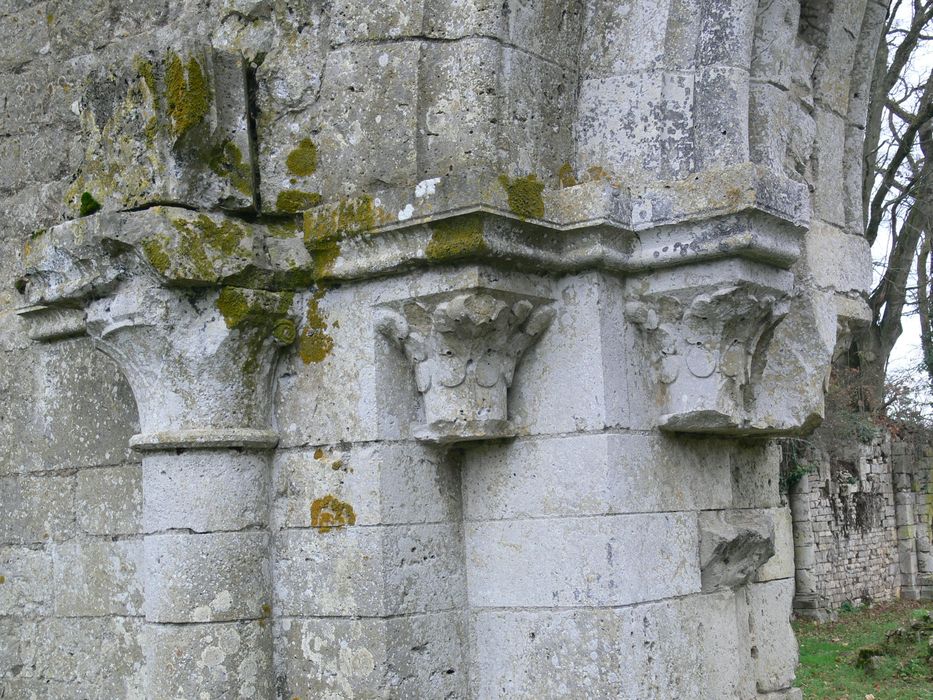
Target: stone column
x: 905, y: 520
x: 807, y: 601
x: 199, y: 359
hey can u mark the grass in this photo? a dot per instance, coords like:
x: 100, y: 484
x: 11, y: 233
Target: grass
x: 829, y: 651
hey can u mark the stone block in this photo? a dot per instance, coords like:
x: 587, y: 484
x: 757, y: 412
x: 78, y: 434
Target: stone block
x: 593, y: 475
x: 369, y: 571
x: 642, y: 651
x: 39, y: 508
x: 561, y: 384
x: 619, y: 123
x: 386, y: 484
x: 361, y: 128
x: 460, y: 116
x: 108, y: 500
x: 80, y: 412
x: 25, y: 582
x: 838, y: 260
x: 408, y: 656
x: 543, y: 562
x: 755, y: 470
x: 830, y: 137
x: 98, y: 577
x: 212, y: 577
x: 207, y: 660
x: 205, y: 490
x: 73, y: 658
x: 781, y: 564
x: 774, y: 647
x: 24, y: 34
x: 77, y: 28
x: 720, y: 127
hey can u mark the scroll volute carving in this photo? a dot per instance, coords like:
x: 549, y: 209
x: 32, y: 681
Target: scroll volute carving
x: 464, y: 347
x: 706, y: 346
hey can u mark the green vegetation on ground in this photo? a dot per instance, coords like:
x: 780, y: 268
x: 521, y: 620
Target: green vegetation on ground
x: 881, y: 652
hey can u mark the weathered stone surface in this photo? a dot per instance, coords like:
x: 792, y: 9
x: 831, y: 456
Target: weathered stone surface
x: 198, y: 185
x: 27, y: 587
x: 386, y: 483
x: 211, y: 577
x: 39, y: 509
x: 774, y: 647
x: 638, y: 651
x: 733, y: 546
x: 369, y: 571
x: 108, y: 500
x: 209, y: 659
x: 593, y: 475
x: 781, y: 564
x: 541, y: 563
x: 409, y: 656
x: 98, y: 577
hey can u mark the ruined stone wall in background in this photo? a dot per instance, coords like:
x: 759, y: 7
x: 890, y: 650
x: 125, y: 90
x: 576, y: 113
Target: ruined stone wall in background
x: 416, y: 349
x: 861, y: 524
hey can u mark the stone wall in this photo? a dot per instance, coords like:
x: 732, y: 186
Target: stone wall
x: 861, y: 524
x: 416, y: 349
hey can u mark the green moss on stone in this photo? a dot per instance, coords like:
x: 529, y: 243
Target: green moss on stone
x: 524, y: 196
x: 226, y: 161
x: 294, y: 201
x: 88, y: 205
x: 188, y: 92
x: 456, y: 237
x: 302, y: 161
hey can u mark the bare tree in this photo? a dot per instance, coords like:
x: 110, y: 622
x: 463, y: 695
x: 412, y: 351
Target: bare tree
x: 898, y: 191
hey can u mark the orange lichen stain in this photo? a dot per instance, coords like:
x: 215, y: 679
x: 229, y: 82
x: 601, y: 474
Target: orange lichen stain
x: 328, y: 513
x: 319, y: 453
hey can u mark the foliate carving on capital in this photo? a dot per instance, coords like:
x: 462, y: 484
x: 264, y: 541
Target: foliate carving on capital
x: 179, y: 300
x: 464, y: 347
x: 705, y: 349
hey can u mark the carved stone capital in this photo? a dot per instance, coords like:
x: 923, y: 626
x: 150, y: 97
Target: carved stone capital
x: 464, y: 347
x: 166, y: 293
x: 706, y: 343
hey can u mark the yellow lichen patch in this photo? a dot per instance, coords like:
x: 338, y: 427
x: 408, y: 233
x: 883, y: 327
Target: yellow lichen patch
x: 315, y: 344
x: 596, y: 172
x: 319, y: 453
x: 302, y: 161
x: 456, y: 237
x: 524, y: 196
x: 156, y: 253
x: 260, y: 308
x: 188, y: 92
x: 294, y: 201
x: 2, y: 579
x: 340, y: 219
x: 565, y: 176
x: 329, y: 513
x: 226, y: 160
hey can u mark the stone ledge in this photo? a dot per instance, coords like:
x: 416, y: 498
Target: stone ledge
x: 205, y: 439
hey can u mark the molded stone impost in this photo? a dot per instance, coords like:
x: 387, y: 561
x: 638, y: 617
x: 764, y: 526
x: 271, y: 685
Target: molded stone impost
x: 464, y: 347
